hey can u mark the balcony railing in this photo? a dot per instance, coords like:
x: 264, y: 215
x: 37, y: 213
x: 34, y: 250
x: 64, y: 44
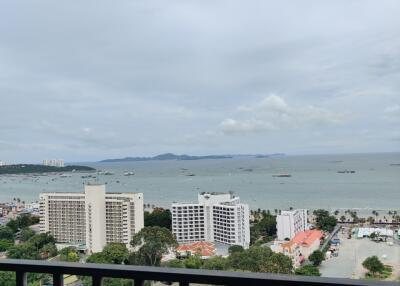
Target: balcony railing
x: 183, y: 276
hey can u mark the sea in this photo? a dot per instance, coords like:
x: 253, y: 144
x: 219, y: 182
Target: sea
x: 314, y: 182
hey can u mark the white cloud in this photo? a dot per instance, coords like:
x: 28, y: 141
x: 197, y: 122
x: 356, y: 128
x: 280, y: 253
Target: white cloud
x: 232, y: 126
x: 392, y: 113
x: 273, y: 113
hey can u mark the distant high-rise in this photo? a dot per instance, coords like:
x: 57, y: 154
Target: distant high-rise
x: 217, y: 217
x: 54, y: 162
x: 93, y: 218
x: 2, y: 163
x: 289, y: 223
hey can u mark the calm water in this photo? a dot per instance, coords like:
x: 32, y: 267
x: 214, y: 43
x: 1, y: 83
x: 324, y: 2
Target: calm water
x: 315, y: 182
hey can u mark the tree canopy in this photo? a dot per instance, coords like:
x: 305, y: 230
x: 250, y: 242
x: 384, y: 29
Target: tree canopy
x: 150, y: 244
x: 373, y: 265
x: 159, y: 217
x: 324, y: 221
x: 308, y: 270
x: 317, y: 257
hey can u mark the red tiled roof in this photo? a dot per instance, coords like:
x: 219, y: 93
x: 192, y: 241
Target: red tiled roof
x: 202, y: 248
x: 307, y: 237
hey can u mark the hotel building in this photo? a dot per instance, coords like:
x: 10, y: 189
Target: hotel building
x: 217, y: 217
x: 289, y: 223
x: 54, y: 162
x: 93, y: 218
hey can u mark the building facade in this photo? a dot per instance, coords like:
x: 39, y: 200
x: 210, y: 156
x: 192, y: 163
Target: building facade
x: 54, y: 162
x: 217, y: 217
x: 289, y: 223
x: 93, y: 218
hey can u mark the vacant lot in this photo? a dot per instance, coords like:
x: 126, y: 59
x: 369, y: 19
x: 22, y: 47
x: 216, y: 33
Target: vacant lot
x: 352, y: 253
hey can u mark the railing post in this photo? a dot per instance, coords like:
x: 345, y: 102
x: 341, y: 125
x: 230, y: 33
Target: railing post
x: 58, y: 279
x: 20, y: 278
x: 96, y: 280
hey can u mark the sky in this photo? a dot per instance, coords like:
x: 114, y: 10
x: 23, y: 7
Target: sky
x: 89, y: 80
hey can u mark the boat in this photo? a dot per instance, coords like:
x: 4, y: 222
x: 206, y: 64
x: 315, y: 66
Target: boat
x: 65, y: 175
x: 106, y: 173
x: 129, y: 173
x: 281, y: 175
x: 346, y: 172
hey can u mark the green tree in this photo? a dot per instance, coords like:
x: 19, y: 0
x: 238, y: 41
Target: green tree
x: 151, y: 243
x: 69, y: 254
x: 159, y: 217
x: 22, y: 221
x: 48, y: 250
x: 264, y: 228
x: 97, y: 258
x: 373, y: 265
x: 215, y: 263
x: 22, y: 251
x: 308, y: 270
x: 324, y: 221
x: 316, y: 257
x: 193, y: 262
x: 235, y: 248
x: 116, y: 253
x: 175, y: 263
x: 7, y: 278
x: 6, y: 233
x: 260, y: 259
x: 26, y: 234
x: 5, y: 244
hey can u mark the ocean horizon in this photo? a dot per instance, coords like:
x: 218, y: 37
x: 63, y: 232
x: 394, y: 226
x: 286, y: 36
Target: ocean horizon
x: 314, y: 181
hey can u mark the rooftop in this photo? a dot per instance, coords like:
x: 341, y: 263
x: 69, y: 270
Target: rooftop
x: 307, y: 237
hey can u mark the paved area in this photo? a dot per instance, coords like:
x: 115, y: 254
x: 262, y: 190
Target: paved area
x: 352, y: 252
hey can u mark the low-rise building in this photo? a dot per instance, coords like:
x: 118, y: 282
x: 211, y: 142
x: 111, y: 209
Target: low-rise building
x: 290, y: 249
x: 300, y: 246
x: 308, y: 241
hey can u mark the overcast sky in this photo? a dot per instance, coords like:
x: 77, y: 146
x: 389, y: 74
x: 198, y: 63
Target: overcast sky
x: 88, y: 80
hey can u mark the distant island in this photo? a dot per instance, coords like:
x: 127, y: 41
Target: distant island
x: 166, y: 156
x: 39, y: 169
x: 171, y: 156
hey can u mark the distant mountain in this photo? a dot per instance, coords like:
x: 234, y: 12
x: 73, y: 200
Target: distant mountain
x: 167, y: 156
x: 39, y: 169
x: 171, y: 156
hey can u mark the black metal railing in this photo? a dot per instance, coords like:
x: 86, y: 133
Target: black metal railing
x: 184, y: 276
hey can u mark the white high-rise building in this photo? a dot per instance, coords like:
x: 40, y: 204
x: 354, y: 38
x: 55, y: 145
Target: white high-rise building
x: 93, y: 218
x: 217, y: 217
x: 289, y: 223
x: 54, y: 162
x: 2, y: 163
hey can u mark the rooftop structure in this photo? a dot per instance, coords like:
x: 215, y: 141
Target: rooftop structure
x: 367, y: 231
x: 202, y: 248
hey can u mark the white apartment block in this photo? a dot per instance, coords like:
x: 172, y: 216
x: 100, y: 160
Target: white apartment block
x: 54, y: 162
x: 289, y: 223
x: 217, y: 217
x: 93, y: 218
x: 2, y: 163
